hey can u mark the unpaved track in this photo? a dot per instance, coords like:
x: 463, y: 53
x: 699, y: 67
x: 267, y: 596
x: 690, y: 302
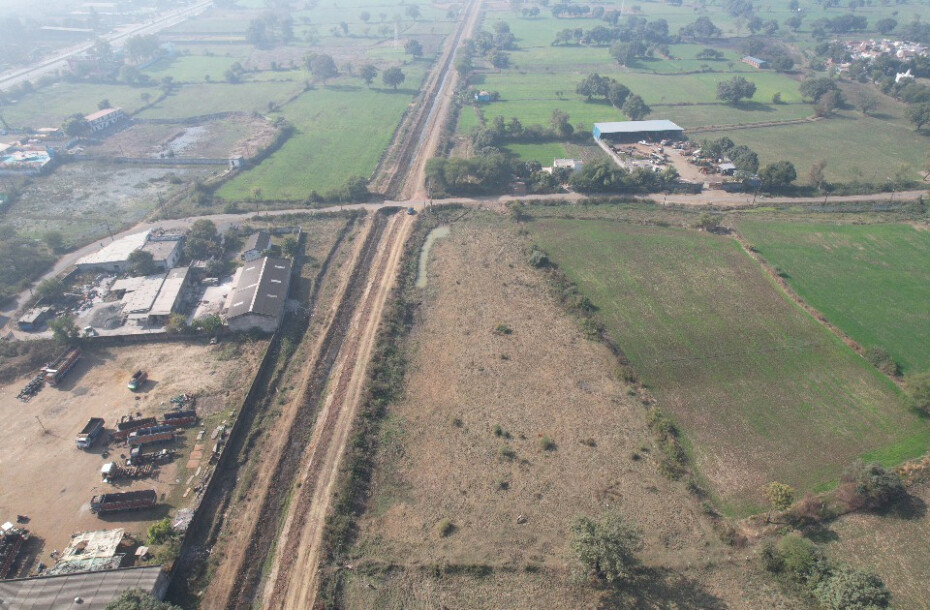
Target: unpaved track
x: 293, y: 581
x: 402, y: 174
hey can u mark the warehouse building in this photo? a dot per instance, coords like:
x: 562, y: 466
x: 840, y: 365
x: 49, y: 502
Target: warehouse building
x: 626, y: 132
x: 114, y: 257
x: 87, y: 590
x: 255, y: 245
x: 172, y: 296
x: 258, y: 299
x: 104, y: 119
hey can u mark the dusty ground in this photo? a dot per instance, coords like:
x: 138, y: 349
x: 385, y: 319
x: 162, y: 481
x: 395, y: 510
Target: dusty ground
x: 237, y: 136
x: 47, y: 478
x: 441, y: 458
x: 893, y: 545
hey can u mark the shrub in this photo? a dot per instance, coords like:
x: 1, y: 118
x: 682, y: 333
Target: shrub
x: 506, y: 453
x: 444, y: 527
x: 159, y: 532
x: 606, y: 547
x: 849, y: 589
x: 770, y: 557
x: 802, y: 561
x: 876, y: 485
x: 503, y: 329
x: 882, y: 360
x: 538, y: 259
x: 918, y: 389
x: 547, y: 444
x: 779, y: 495
x: 626, y: 374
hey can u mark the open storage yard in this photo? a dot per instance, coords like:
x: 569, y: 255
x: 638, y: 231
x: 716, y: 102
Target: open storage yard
x: 872, y: 281
x: 46, y: 477
x: 762, y: 391
x: 464, y: 447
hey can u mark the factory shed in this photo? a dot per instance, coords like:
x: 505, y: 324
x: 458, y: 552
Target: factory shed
x: 257, y: 243
x: 115, y: 255
x: 260, y: 293
x: 165, y: 251
x: 94, y: 589
x: 171, y: 297
x: 636, y: 131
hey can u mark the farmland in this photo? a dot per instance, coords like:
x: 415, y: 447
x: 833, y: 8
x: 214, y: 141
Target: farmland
x: 872, y: 281
x: 342, y: 130
x: 761, y: 390
x: 465, y: 444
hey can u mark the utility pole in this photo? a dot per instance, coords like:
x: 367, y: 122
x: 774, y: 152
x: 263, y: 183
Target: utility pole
x: 44, y: 429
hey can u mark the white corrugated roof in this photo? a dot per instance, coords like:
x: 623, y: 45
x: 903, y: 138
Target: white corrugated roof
x: 636, y: 126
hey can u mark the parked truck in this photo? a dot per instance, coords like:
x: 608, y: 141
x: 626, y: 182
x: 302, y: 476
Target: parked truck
x: 138, y: 456
x: 128, y: 425
x: 89, y: 433
x: 56, y: 370
x: 137, y: 380
x: 154, y: 434
x: 128, y: 500
x: 112, y: 472
x: 180, y: 418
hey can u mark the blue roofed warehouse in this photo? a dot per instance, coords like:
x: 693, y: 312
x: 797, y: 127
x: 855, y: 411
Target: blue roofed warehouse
x: 635, y: 131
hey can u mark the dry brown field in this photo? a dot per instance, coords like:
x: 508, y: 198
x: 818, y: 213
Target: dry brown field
x: 510, y: 501
x: 46, y: 477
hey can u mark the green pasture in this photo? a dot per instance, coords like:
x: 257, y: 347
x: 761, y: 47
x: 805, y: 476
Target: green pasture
x: 543, y: 152
x: 341, y: 132
x: 190, y: 68
x: 49, y: 106
x: 716, y: 115
x: 210, y: 98
x: 856, y: 148
x: 761, y: 390
x: 871, y: 281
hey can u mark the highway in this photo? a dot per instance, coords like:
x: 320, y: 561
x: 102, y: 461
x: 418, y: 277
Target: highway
x: 115, y: 38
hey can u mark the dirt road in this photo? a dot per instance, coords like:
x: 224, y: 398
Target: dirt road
x: 293, y: 580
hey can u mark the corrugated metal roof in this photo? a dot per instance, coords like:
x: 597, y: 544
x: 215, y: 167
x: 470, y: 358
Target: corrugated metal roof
x: 96, y: 589
x: 259, y: 240
x: 262, y: 288
x: 101, y: 113
x: 117, y: 251
x: 170, y: 291
x: 636, y: 126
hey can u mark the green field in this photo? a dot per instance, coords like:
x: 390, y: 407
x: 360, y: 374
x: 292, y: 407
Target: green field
x: 543, y: 152
x: 190, y: 68
x: 856, y: 148
x: 50, y: 106
x: 761, y: 390
x: 341, y: 132
x: 210, y: 98
x: 872, y: 281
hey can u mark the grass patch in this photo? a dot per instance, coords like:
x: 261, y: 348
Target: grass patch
x: 211, y: 98
x: 872, y: 281
x: 761, y: 390
x: 543, y: 153
x: 341, y: 131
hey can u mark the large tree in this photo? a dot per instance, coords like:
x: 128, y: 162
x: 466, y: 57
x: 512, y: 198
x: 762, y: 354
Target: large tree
x: 919, y: 114
x: 606, y: 547
x: 735, y: 90
x: 413, y: 47
x: 368, y: 73
x: 635, y: 108
x: 778, y: 175
x: 323, y: 67
x: 393, y: 77
x: 203, y: 241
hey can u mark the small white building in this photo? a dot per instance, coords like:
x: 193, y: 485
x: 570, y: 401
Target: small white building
x: 258, y: 299
x: 103, y: 119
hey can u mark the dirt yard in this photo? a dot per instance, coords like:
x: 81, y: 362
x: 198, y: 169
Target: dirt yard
x: 236, y: 136
x: 46, y: 477
x: 466, y: 445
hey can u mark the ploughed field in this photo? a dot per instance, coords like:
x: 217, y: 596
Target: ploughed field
x: 871, y: 281
x: 762, y: 391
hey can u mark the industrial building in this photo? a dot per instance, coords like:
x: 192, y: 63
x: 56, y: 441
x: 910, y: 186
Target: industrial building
x: 34, y: 318
x: 255, y: 245
x: 172, y: 296
x: 150, y: 300
x: 114, y: 257
x: 755, y: 62
x: 626, y: 132
x: 94, y: 589
x: 104, y: 119
x: 257, y: 301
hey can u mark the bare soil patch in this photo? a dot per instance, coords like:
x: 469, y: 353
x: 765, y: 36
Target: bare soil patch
x: 47, y: 478
x: 466, y: 445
